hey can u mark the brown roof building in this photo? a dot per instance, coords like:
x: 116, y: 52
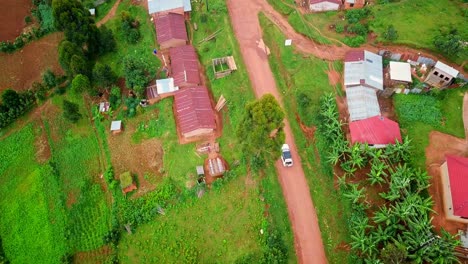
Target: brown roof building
x: 193, y: 112
x: 170, y: 30
x: 350, y: 4
x: 184, y: 64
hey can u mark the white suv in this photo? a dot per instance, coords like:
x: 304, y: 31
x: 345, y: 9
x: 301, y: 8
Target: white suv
x: 286, y: 157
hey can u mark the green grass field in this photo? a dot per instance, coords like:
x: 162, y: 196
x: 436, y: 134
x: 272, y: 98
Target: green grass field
x: 418, y: 123
x: 33, y: 221
x: 299, y: 77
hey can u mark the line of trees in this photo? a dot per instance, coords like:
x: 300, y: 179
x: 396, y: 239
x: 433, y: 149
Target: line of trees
x: 14, y: 105
x: 399, y: 230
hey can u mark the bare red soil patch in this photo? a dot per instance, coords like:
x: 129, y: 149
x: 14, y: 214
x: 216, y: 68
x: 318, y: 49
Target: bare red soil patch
x: 20, y: 69
x: 12, y: 17
x: 99, y: 255
x: 439, y: 145
x: 143, y: 158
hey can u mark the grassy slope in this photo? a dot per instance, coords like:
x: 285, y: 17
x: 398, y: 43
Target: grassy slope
x: 143, y: 49
x: 76, y: 153
x: 102, y: 10
x: 294, y: 75
x: 451, y: 102
x: 31, y: 232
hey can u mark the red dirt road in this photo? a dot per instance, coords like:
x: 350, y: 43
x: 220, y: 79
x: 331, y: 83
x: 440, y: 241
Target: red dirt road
x: 308, y: 241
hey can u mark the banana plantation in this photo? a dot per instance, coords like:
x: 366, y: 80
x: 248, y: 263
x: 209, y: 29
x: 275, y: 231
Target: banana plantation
x: 390, y: 220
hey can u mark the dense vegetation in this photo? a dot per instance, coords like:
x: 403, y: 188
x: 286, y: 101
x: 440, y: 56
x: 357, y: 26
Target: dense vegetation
x: 397, y: 220
x: 14, y: 105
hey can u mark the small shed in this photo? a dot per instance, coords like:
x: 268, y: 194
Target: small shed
x: 441, y: 75
x: 223, y: 66
x: 351, y: 4
x: 324, y: 5
x: 92, y: 11
x: 400, y: 71
x: 116, y: 127
x: 166, y: 86
x: 104, y: 107
x: 126, y: 182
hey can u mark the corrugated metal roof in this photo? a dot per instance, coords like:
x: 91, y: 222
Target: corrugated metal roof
x: 363, y: 70
x: 458, y: 176
x: 321, y: 1
x: 193, y: 109
x: 376, y: 130
x: 362, y: 103
x: 116, y: 125
x: 170, y: 26
x: 447, y: 69
x: 155, y: 6
x: 166, y: 86
x: 184, y: 64
x: 400, y: 71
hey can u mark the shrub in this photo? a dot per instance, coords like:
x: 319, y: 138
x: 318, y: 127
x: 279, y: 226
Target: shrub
x: 80, y: 83
x: 356, y: 15
x: 49, y: 79
x: 358, y: 28
x: 103, y: 75
x: 71, y: 111
x: 46, y: 17
x: 136, y: 72
x: 130, y: 27
x: 354, y: 41
x: 339, y: 28
x: 106, y: 40
x: 391, y: 34
x: 115, y: 97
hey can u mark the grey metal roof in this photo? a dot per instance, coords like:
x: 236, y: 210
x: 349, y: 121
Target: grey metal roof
x: 447, y: 69
x: 116, y: 125
x: 368, y: 71
x: 362, y: 102
x: 166, y: 86
x: 155, y: 6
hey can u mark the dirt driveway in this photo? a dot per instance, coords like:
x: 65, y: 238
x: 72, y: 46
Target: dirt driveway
x: 308, y: 241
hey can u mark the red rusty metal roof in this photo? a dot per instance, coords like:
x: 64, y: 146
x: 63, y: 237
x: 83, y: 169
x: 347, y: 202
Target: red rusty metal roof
x: 355, y: 55
x: 377, y: 130
x: 458, y: 176
x: 184, y: 64
x: 193, y: 109
x: 170, y: 26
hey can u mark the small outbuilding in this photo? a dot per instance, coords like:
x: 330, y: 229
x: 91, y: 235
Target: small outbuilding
x: 351, y: 4
x: 126, y: 182
x: 184, y: 64
x: 193, y: 112
x: 170, y: 30
x: 116, y: 127
x: 377, y: 131
x: 454, y: 174
x: 441, y: 75
x: 166, y: 86
x: 92, y: 11
x: 324, y: 5
x: 400, y: 72
x: 104, y: 107
x: 223, y: 66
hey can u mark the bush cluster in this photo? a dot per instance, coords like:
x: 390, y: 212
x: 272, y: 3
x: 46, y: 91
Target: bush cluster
x: 14, y: 105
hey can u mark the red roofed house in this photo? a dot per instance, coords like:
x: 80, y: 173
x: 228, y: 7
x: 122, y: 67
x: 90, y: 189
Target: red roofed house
x: 184, y: 64
x: 324, y: 5
x: 454, y: 174
x: 193, y: 112
x: 170, y: 30
x: 350, y: 4
x: 377, y: 131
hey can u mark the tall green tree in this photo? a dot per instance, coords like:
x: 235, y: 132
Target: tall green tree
x: 76, y: 21
x: 103, y: 75
x: 66, y: 52
x: 78, y: 65
x: 106, y: 40
x: 80, y: 84
x: 261, y: 130
x: 71, y: 111
x: 136, y: 72
x: 449, y: 42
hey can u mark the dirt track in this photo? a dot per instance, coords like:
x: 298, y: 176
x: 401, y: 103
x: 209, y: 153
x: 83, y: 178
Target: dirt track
x: 308, y: 241
x: 109, y: 15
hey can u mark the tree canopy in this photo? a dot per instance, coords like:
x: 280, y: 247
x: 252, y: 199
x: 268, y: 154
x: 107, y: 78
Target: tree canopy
x: 71, y: 111
x: 261, y: 129
x: 448, y: 42
x: 66, y: 52
x: 103, y: 75
x: 136, y: 72
x: 77, y: 23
